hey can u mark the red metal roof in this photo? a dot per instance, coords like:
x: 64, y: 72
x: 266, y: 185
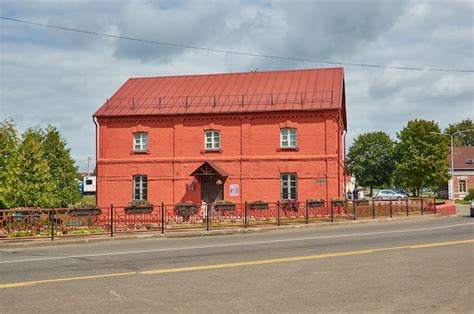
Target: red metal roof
x: 461, y: 156
x: 309, y: 89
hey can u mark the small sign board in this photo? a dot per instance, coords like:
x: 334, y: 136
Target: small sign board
x: 234, y: 190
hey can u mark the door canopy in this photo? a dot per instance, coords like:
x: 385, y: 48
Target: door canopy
x: 209, y: 168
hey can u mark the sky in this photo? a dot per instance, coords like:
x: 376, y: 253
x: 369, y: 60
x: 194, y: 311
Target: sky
x: 49, y: 76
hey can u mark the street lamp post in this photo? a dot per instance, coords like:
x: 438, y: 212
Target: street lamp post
x: 451, y: 194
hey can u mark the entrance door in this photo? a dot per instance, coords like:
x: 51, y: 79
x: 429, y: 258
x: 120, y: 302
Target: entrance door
x: 210, y: 190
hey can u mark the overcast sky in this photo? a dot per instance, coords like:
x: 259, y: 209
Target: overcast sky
x: 54, y: 77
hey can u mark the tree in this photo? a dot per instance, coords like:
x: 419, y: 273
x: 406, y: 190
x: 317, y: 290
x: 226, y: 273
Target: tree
x: 27, y: 178
x: 8, y: 145
x: 370, y: 159
x: 62, y: 169
x: 422, y: 156
x: 463, y: 139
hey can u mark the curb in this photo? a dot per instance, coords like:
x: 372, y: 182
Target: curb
x: 5, y: 244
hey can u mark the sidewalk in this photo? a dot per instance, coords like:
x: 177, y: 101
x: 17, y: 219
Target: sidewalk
x: 463, y: 210
x: 71, y: 240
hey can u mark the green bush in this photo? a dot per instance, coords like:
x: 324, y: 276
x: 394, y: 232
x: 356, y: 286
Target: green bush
x: 469, y: 196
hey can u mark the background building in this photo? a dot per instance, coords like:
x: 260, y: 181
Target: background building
x: 463, y: 171
x: 237, y: 136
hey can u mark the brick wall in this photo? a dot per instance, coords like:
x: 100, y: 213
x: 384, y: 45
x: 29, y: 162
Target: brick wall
x: 469, y: 178
x: 250, y: 155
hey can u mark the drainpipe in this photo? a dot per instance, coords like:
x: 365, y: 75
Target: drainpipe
x: 345, y: 163
x: 94, y: 119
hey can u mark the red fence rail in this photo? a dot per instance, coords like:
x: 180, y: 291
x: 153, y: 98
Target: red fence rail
x: 36, y: 223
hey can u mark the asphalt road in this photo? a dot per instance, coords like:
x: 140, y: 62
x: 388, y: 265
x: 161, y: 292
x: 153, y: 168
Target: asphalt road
x: 424, y: 265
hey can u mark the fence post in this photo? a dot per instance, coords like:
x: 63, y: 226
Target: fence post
x: 162, y: 217
x: 332, y: 212
x: 278, y: 213
x: 391, y: 209
x: 51, y: 215
x: 422, y: 205
x: 353, y: 210
x: 373, y: 209
x: 245, y: 215
x: 306, y: 212
x: 111, y: 220
x: 408, y: 210
x: 208, y: 217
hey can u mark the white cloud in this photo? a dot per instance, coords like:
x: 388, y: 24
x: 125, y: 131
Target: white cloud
x: 51, y: 76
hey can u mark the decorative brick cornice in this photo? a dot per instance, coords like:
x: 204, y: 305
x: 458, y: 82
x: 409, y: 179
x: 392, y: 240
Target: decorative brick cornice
x: 219, y: 117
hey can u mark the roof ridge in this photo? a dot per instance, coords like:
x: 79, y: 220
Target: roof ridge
x: 234, y: 73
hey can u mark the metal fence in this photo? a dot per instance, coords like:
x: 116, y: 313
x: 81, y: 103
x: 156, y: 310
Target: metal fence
x: 36, y: 223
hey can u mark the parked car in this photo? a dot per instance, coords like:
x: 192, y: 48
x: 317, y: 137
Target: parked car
x: 400, y: 191
x: 389, y: 194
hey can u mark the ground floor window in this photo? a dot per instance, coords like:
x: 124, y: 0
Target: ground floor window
x: 140, y: 187
x: 462, y: 186
x: 288, y: 186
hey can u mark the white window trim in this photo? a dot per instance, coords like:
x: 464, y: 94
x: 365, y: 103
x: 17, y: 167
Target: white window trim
x: 288, y: 138
x: 138, y: 140
x: 215, y: 145
x: 465, y: 186
x: 288, y: 187
x: 143, y: 190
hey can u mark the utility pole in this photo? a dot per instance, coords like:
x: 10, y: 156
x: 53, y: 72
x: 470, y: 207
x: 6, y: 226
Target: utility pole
x: 88, y: 166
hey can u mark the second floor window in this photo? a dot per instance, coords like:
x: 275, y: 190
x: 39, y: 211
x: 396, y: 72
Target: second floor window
x: 288, y: 138
x: 140, y: 188
x: 140, y: 141
x: 212, y: 140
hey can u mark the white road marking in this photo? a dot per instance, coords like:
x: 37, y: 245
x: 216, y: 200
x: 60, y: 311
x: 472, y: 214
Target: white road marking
x: 200, y: 247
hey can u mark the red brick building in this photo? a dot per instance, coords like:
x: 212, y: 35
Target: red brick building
x: 237, y: 136
x: 463, y: 171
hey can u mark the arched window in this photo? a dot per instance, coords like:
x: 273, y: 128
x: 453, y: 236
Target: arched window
x: 462, y: 186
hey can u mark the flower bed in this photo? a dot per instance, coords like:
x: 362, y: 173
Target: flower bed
x: 224, y: 205
x: 315, y: 203
x: 139, y: 207
x: 258, y: 205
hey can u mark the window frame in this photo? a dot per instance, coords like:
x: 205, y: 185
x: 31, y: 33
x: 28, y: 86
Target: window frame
x: 289, y: 178
x: 464, y: 184
x: 142, y: 187
x: 214, y: 145
x: 286, y: 132
x: 143, y: 145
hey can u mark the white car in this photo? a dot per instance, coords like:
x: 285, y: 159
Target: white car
x: 389, y: 195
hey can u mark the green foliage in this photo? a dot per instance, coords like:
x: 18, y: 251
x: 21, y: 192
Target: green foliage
x: 463, y: 139
x: 38, y: 171
x: 8, y: 146
x: 470, y: 195
x: 62, y: 169
x: 370, y: 159
x: 421, y: 155
x: 28, y: 181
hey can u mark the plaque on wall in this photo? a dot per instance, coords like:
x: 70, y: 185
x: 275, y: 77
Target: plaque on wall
x: 234, y: 190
